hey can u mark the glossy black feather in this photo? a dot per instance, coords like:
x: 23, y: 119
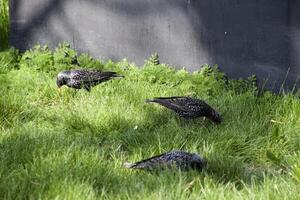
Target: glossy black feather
x: 188, y: 107
x: 180, y: 159
x: 83, y: 78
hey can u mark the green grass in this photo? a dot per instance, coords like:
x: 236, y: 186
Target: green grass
x: 72, y: 144
x: 3, y: 24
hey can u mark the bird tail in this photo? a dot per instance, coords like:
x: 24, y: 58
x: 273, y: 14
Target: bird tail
x: 164, y: 102
x: 114, y: 74
x: 149, y: 100
x: 129, y: 165
x: 118, y: 76
x: 111, y: 74
x: 162, y: 99
x: 155, y: 100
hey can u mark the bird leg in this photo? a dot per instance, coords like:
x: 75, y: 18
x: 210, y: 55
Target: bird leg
x: 87, y: 87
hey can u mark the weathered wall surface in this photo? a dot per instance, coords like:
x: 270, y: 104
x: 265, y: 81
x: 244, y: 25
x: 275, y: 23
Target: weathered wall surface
x: 259, y: 37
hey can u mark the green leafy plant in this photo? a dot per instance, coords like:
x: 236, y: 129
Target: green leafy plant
x: 39, y: 58
x: 65, y: 55
x: 154, y: 59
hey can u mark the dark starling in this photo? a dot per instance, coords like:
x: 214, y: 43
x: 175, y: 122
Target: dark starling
x: 188, y: 107
x: 83, y: 78
x: 179, y: 159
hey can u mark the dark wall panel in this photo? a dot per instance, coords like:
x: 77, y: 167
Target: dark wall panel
x: 259, y: 37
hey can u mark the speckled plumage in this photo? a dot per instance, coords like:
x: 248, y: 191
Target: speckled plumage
x: 83, y: 78
x: 188, y: 107
x: 180, y: 159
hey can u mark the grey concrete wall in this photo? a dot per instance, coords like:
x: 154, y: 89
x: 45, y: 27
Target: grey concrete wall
x: 259, y: 37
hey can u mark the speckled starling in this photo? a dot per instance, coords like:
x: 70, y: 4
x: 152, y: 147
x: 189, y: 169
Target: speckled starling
x: 188, y: 107
x: 179, y: 159
x: 83, y: 78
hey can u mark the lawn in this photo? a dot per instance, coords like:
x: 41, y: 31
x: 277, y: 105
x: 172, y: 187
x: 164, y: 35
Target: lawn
x: 67, y: 144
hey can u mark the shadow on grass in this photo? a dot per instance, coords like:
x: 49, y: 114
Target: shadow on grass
x: 12, y: 107
x: 234, y: 170
x: 35, y: 161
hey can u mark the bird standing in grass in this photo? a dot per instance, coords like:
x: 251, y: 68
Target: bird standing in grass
x: 83, y: 78
x: 188, y: 107
x: 179, y: 159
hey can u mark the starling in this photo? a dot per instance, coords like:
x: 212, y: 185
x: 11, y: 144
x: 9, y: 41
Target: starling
x: 179, y: 159
x: 83, y: 78
x: 188, y: 107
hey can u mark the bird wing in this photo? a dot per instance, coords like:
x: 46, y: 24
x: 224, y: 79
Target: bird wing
x: 79, y: 75
x: 197, y: 105
x: 150, y: 163
x: 168, y: 159
x: 93, y: 76
x: 178, y: 103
